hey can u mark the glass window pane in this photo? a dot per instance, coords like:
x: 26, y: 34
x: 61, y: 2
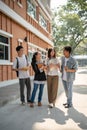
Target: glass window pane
x: 1, y: 52
x: 30, y: 55
x: 3, y: 39
x: 6, y: 53
x: 4, y: 48
x: 31, y: 9
x: 42, y: 21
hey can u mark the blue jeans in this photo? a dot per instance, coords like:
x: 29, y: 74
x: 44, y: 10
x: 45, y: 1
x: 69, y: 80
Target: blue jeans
x: 68, y: 91
x: 41, y: 86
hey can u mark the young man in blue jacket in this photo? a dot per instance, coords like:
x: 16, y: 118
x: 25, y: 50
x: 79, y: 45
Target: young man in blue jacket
x: 68, y: 69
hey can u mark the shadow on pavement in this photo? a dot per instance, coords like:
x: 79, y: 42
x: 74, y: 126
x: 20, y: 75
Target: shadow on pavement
x: 57, y: 115
x: 48, y: 118
x: 82, y: 89
x: 45, y: 118
x: 78, y: 118
x: 82, y: 72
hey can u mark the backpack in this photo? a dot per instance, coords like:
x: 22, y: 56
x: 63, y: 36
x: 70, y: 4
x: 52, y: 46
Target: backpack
x: 17, y: 65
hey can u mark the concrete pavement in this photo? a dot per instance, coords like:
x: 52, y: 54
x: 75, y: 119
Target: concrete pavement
x: 10, y: 93
x: 13, y: 116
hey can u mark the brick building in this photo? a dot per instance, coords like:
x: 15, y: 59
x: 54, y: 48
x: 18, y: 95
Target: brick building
x: 26, y: 23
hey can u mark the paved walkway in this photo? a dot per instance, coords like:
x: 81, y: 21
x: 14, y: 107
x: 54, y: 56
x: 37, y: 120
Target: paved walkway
x: 16, y: 117
x: 9, y: 93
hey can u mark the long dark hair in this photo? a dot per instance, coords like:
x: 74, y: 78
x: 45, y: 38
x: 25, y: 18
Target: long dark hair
x: 49, y: 53
x: 34, y: 57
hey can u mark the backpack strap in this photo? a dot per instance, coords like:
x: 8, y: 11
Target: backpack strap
x: 17, y: 66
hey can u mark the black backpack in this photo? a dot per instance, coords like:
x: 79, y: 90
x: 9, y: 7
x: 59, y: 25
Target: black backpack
x: 17, y: 66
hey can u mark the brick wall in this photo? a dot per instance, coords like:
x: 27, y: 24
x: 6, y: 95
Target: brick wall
x: 22, y: 11
x: 5, y: 72
x: 18, y: 32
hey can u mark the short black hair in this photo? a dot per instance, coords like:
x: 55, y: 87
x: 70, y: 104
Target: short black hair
x: 18, y: 48
x: 68, y: 48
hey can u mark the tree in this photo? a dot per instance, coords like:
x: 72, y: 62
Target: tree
x: 69, y: 28
x: 81, y: 8
x: 81, y: 3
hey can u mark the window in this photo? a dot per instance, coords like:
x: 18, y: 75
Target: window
x: 43, y: 55
x: 31, y: 9
x: 30, y: 55
x: 42, y: 21
x: 33, y: 49
x: 4, y: 48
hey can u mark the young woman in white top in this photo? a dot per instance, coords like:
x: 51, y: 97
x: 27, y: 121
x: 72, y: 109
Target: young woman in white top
x: 52, y: 76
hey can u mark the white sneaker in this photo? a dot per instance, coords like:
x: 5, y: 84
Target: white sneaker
x: 22, y: 103
x: 51, y: 105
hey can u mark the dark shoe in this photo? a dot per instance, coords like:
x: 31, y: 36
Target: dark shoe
x: 31, y: 105
x: 39, y: 104
x: 64, y: 104
x: 68, y: 106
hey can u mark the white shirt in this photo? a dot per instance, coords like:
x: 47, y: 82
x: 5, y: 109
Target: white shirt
x: 53, y: 71
x: 64, y: 72
x: 22, y: 63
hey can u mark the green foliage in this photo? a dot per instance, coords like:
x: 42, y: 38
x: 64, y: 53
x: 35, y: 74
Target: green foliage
x: 69, y: 27
x: 81, y: 3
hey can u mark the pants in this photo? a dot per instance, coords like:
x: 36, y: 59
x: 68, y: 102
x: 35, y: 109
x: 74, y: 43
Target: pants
x: 22, y: 83
x: 52, y: 86
x: 41, y: 86
x: 68, y: 91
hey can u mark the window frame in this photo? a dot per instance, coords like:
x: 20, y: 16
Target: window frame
x: 31, y: 4
x: 9, y: 36
x: 2, y: 61
x: 41, y: 17
x: 33, y: 48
